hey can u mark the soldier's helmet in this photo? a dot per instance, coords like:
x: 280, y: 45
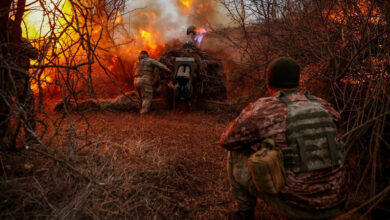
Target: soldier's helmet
x: 191, y: 29
x: 143, y: 54
x: 283, y: 72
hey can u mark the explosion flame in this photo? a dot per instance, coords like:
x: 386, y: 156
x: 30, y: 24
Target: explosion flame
x: 37, y: 26
x: 186, y: 3
x: 200, y: 32
x: 52, y: 27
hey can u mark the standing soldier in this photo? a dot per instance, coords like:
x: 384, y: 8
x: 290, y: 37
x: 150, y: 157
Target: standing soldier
x: 303, y: 128
x: 25, y: 95
x: 191, y: 33
x: 144, y: 78
x: 15, y: 85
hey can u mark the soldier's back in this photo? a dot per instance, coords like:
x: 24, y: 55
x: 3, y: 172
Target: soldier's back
x: 319, y: 189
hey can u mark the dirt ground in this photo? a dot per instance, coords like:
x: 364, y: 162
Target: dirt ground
x: 166, y: 165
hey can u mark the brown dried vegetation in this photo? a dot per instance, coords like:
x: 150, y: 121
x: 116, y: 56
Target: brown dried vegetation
x: 167, y: 165
x: 164, y: 166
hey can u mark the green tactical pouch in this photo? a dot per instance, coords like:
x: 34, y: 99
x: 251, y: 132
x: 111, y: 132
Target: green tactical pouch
x: 266, y: 168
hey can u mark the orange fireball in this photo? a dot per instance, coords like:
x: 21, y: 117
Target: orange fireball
x: 186, y: 3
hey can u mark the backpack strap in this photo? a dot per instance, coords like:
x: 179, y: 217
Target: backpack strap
x: 284, y: 99
x: 302, y: 154
x: 310, y: 97
x: 283, y: 96
x: 332, y: 148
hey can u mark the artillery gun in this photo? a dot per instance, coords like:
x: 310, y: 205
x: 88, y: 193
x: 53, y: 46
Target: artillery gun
x: 197, y: 79
x: 197, y: 76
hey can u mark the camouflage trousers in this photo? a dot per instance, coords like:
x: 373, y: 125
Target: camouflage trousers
x: 145, y: 92
x: 16, y: 102
x: 246, y: 194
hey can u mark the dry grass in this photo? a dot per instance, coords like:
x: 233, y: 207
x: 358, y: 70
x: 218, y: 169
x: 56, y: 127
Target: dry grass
x: 162, y: 166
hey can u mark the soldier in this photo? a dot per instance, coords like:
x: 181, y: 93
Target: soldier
x: 191, y: 35
x: 144, y: 79
x: 295, y: 122
x: 15, y: 86
x: 25, y: 95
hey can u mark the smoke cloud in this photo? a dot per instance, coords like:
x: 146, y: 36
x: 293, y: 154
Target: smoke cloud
x: 171, y: 18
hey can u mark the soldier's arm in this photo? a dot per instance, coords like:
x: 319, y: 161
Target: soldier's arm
x: 135, y: 68
x: 160, y: 65
x: 242, y: 132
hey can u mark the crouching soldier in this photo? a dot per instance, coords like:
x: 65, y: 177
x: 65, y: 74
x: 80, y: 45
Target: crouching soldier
x: 144, y: 78
x: 302, y: 129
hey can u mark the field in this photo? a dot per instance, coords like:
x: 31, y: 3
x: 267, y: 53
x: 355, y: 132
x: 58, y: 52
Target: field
x: 101, y: 161
x: 166, y: 165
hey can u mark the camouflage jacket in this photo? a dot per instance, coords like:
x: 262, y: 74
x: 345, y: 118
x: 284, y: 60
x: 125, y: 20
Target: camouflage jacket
x: 145, y: 68
x: 266, y: 118
x: 27, y: 52
x: 189, y: 41
x: 19, y: 57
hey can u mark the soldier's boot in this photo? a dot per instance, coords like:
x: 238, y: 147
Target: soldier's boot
x: 143, y: 111
x: 242, y: 215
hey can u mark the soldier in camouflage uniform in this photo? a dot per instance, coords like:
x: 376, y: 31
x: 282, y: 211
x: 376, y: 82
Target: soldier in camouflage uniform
x: 15, y: 83
x: 144, y: 78
x: 191, y: 32
x: 308, y: 193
